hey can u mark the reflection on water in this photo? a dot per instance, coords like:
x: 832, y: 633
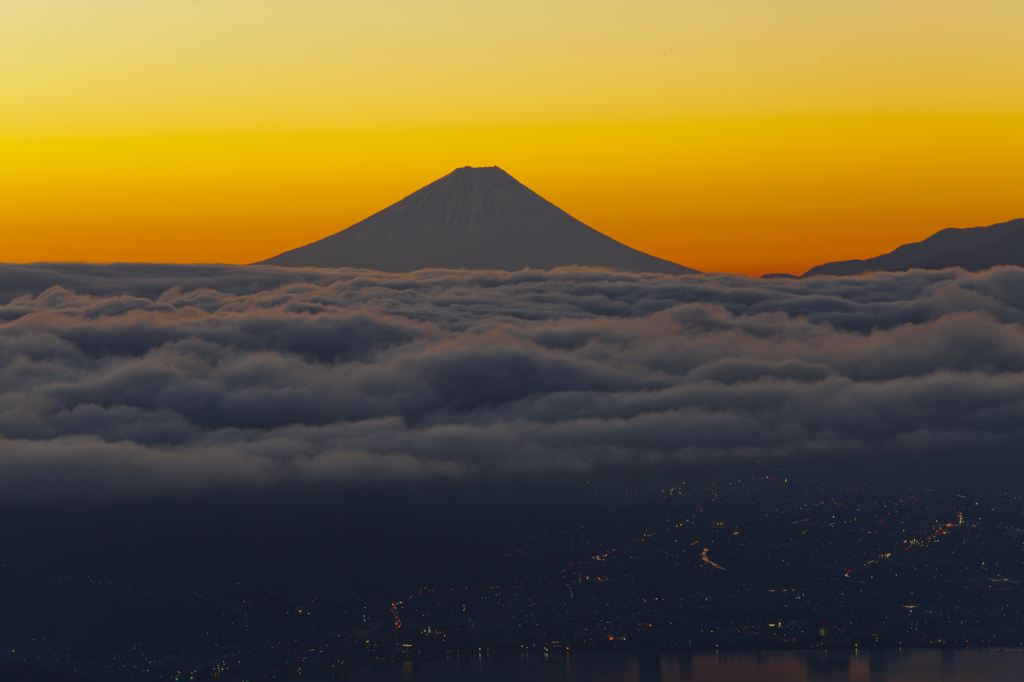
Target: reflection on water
x: 904, y: 665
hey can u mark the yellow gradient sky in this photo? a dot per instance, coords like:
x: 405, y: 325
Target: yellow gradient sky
x: 740, y: 135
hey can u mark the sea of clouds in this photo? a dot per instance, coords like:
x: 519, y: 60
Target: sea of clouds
x: 132, y: 380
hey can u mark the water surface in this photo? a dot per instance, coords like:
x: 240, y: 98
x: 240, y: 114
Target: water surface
x: 903, y: 665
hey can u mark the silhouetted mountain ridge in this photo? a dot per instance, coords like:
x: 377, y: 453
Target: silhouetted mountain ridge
x: 972, y: 248
x: 1007, y: 250
x: 472, y: 218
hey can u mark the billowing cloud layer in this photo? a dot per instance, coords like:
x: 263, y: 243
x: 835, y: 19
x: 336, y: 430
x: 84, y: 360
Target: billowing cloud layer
x: 135, y: 380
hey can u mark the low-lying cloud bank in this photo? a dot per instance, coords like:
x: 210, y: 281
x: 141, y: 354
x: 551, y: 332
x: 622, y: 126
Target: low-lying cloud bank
x: 138, y: 380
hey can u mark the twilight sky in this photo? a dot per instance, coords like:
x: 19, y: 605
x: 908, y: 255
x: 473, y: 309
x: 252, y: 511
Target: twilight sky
x: 740, y: 135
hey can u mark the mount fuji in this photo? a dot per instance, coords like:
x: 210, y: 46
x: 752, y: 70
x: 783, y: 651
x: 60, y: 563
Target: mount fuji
x: 477, y: 219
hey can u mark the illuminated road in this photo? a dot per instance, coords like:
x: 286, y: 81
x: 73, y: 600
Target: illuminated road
x: 705, y: 559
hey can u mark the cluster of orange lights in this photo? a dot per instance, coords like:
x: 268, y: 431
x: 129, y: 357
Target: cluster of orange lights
x: 938, y: 532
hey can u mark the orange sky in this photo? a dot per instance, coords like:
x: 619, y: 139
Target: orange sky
x: 733, y: 136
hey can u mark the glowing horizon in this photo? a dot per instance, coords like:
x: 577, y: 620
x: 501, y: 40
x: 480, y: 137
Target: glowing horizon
x: 737, y: 137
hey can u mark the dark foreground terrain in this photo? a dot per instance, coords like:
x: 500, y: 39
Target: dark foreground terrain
x: 279, y: 585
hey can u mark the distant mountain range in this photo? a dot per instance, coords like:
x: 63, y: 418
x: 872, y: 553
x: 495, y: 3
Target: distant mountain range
x: 971, y: 248
x: 477, y: 219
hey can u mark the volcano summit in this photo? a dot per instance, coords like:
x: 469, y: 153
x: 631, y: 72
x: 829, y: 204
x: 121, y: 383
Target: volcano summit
x: 476, y: 219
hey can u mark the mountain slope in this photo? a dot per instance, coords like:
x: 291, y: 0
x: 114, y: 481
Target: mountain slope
x: 909, y: 255
x: 1007, y: 250
x: 472, y: 218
